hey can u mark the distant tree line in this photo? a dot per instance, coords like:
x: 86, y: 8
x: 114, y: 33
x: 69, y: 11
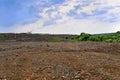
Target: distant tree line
x: 110, y: 37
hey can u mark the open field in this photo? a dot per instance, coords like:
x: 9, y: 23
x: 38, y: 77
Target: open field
x: 59, y: 61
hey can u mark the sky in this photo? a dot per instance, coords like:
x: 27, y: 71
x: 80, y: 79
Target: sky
x: 59, y: 16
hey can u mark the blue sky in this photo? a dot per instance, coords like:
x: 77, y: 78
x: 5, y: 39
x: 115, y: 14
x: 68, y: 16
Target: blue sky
x: 60, y: 16
x: 13, y: 12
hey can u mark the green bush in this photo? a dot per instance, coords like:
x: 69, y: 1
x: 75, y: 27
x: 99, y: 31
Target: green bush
x: 55, y: 39
x: 108, y: 40
x: 112, y: 37
x: 82, y: 37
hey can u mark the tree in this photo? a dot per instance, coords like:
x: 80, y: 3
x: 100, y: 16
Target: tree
x: 84, y: 36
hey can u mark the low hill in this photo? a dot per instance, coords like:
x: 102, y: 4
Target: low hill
x: 33, y: 37
x: 108, y: 37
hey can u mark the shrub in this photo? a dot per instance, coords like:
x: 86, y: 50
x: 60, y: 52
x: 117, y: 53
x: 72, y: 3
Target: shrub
x: 111, y: 37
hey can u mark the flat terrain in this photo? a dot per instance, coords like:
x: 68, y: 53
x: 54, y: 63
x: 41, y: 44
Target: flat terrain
x: 59, y: 61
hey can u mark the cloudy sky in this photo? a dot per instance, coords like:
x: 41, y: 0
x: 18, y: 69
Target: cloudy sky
x: 60, y: 16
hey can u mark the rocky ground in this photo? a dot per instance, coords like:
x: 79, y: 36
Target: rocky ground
x: 59, y: 61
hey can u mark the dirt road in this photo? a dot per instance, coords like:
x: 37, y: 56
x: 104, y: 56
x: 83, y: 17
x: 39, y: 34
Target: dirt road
x: 59, y: 61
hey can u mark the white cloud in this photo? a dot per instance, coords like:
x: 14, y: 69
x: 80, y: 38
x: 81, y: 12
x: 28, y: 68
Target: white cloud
x: 78, y: 26
x: 68, y: 5
x: 28, y: 28
x: 69, y: 25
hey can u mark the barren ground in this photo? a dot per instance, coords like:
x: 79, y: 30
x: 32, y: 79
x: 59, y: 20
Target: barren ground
x: 59, y: 61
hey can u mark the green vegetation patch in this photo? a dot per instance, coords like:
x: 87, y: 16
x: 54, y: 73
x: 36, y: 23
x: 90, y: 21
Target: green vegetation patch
x: 2, y: 36
x: 111, y: 37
